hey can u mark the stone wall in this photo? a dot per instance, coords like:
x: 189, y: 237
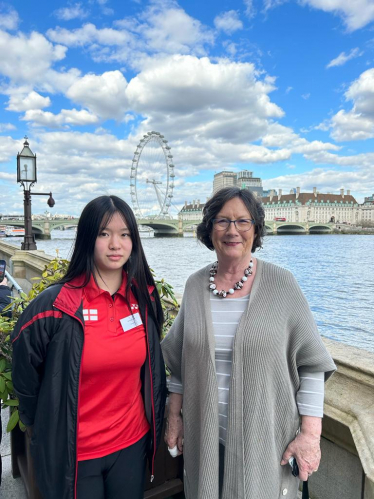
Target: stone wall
x: 347, y: 466
x: 24, y: 265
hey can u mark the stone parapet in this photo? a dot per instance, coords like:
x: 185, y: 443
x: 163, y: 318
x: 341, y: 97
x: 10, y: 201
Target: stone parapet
x: 6, y: 251
x: 24, y: 265
x: 347, y: 466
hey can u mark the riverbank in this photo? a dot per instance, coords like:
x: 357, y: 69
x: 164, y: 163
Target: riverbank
x: 343, y: 229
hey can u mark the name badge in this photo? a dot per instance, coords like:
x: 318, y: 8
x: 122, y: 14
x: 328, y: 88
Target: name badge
x: 131, y: 321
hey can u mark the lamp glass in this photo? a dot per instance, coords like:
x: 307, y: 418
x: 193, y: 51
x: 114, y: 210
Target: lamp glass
x: 27, y: 169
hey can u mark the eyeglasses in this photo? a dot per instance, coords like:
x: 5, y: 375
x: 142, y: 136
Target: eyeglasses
x: 242, y: 225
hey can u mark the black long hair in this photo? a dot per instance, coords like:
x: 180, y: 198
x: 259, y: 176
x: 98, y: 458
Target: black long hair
x: 95, y: 217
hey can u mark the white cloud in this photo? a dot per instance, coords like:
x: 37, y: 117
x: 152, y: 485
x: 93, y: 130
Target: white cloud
x: 271, y: 4
x: 281, y: 136
x: 212, y: 100
x: 231, y: 48
x: 65, y: 117
x: 326, y: 180
x: 351, y: 126
x: 104, y: 95
x: 163, y: 28
x: 343, y: 58
x: 249, y: 9
x: 88, y: 34
x: 26, y: 59
x: 358, y: 123
x: 9, y: 18
x: 4, y: 127
x: 356, y: 14
x: 20, y: 102
x: 356, y: 160
x: 361, y: 92
x: 8, y: 149
x: 75, y: 11
x: 305, y: 96
x: 228, y: 22
x: 172, y: 30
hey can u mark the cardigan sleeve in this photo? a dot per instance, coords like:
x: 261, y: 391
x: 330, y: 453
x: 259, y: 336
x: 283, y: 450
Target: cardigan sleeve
x: 172, y: 344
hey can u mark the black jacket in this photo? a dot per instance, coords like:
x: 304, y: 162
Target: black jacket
x: 5, y: 294
x: 47, y: 351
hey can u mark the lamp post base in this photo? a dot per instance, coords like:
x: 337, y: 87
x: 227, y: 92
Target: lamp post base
x: 29, y: 244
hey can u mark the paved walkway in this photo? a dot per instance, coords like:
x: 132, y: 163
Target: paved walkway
x: 10, y: 488
x: 13, y: 488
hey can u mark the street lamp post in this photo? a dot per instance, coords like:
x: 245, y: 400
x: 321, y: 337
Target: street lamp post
x: 26, y: 176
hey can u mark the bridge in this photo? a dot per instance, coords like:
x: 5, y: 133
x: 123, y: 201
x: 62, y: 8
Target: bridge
x: 173, y: 227
x: 162, y: 227
x: 279, y: 228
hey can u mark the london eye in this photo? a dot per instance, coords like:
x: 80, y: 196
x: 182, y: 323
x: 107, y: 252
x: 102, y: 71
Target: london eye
x: 152, y: 177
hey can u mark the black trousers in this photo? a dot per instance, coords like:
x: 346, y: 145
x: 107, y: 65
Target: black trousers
x: 117, y: 476
x: 221, y: 467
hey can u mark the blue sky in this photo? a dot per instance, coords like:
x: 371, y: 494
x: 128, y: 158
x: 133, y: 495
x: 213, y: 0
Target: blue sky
x: 284, y: 89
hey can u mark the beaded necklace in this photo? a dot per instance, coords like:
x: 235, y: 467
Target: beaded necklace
x: 238, y: 285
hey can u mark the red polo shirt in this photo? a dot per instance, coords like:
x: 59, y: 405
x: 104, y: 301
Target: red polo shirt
x: 111, y: 412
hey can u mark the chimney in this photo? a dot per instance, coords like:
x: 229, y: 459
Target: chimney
x: 297, y: 192
x: 342, y: 193
x: 271, y: 194
x: 348, y: 192
x: 280, y: 194
x: 198, y: 202
x: 315, y: 191
x: 185, y: 204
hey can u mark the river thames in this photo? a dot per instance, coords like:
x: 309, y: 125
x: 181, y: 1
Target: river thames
x: 334, y: 271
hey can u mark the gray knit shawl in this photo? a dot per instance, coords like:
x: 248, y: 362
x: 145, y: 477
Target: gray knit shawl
x: 276, y: 335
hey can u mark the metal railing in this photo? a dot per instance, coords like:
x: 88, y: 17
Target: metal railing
x: 14, y: 283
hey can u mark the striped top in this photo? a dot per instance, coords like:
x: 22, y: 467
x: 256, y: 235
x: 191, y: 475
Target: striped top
x: 226, y: 315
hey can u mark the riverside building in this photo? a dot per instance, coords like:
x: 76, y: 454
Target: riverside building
x: 366, y: 218
x: 244, y: 180
x: 369, y: 199
x: 192, y: 211
x: 312, y: 207
x: 223, y: 179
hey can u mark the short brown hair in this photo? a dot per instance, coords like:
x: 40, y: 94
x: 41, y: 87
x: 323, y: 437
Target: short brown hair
x: 215, y: 204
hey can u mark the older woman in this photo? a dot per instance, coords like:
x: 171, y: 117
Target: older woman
x: 247, y: 363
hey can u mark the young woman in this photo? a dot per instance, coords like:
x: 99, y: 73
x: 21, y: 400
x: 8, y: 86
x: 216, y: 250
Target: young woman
x: 87, y: 365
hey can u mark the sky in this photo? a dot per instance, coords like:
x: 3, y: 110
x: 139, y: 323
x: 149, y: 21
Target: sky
x: 284, y: 89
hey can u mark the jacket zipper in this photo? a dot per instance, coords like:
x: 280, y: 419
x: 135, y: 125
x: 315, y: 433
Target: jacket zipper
x: 152, y: 400
x: 77, y: 424
x: 79, y: 384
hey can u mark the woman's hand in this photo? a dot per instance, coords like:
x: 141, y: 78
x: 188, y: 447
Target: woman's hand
x: 174, y: 423
x: 174, y: 433
x: 305, y: 448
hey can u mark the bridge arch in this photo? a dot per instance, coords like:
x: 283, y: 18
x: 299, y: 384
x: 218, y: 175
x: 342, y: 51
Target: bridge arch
x: 320, y: 229
x: 291, y: 228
